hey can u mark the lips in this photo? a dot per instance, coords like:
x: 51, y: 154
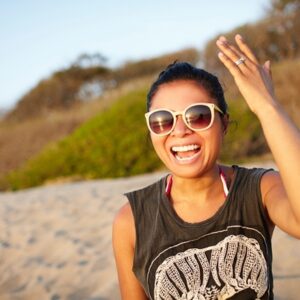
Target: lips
x: 185, y: 153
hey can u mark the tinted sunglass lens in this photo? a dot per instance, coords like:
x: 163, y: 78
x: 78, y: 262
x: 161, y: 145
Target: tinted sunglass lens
x: 161, y: 122
x: 198, y: 116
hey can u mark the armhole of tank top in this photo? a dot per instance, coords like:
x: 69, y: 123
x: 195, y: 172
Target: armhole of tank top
x: 262, y: 207
x: 130, y: 198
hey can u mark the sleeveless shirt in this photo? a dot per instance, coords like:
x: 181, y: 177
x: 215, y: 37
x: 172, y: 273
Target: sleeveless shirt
x: 227, y: 256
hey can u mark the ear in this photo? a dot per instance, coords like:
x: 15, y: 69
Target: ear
x: 225, y: 122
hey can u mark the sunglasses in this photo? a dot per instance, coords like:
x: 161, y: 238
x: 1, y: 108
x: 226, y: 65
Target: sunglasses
x: 197, y: 117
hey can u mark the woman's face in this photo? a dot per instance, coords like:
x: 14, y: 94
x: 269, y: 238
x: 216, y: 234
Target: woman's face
x: 187, y: 153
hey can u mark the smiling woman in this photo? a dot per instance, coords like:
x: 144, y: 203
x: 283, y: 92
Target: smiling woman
x: 197, y: 131
x: 204, y: 230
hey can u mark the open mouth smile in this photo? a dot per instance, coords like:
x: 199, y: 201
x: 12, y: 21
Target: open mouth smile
x: 186, y: 153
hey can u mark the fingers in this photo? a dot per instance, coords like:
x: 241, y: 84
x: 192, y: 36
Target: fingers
x: 229, y: 49
x: 244, y: 48
x: 239, y: 57
x: 233, y: 52
x: 229, y: 64
x: 232, y: 58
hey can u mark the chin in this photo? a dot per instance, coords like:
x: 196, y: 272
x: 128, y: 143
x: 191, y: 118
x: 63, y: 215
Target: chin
x: 187, y: 172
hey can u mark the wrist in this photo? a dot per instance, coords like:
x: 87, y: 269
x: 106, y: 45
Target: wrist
x: 268, y: 109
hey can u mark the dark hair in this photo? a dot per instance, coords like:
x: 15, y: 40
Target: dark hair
x: 185, y: 71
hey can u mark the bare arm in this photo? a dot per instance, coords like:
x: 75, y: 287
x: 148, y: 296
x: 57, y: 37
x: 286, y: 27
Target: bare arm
x: 123, y: 244
x: 281, y: 192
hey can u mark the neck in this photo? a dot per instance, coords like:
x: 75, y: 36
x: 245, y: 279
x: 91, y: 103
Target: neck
x: 202, y: 188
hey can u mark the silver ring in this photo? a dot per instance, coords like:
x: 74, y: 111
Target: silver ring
x: 241, y: 60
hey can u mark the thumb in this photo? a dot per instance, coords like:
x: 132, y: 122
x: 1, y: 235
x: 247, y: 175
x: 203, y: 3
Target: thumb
x: 267, y: 68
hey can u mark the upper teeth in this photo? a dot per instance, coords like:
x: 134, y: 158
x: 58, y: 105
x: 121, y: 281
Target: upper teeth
x: 185, y: 148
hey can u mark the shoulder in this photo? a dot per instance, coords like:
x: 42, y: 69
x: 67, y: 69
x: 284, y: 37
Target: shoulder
x: 251, y: 174
x: 123, y: 226
x: 267, y: 180
x: 254, y: 179
x: 244, y: 175
x: 124, y: 217
x: 138, y: 202
x: 271, y: 184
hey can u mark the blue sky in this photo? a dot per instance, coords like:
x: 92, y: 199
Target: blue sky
x: 39, y: 37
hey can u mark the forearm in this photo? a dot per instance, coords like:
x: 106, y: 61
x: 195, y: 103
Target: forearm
x: 280, y: 195
x: 283, y: 138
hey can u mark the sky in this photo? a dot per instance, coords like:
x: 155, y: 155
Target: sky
x: 38, y: 37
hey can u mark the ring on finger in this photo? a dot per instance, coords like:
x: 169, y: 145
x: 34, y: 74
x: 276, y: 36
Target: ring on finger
x: 241, y: 60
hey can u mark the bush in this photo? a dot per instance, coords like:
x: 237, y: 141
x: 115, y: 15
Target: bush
x: 244, y: 136
x: 112, y: 144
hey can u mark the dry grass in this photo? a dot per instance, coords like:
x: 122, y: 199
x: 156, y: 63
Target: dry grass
x: 20, y: 141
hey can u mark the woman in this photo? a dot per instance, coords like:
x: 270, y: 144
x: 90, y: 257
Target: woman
x: 204, y: 231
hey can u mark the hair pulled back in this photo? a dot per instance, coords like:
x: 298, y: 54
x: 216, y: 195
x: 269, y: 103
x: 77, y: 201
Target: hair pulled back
x: 185, y: 71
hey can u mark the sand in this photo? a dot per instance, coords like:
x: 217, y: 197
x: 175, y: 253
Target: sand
x: 55, y: 243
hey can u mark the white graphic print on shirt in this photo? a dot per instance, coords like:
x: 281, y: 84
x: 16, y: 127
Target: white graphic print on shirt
x: 234, y: 264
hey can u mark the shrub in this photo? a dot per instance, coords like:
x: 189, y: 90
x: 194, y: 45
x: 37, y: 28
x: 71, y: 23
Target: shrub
x: 244, y: 136
x: 112, y: 144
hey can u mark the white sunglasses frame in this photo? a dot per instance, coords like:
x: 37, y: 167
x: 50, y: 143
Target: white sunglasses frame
x: 211, y: 106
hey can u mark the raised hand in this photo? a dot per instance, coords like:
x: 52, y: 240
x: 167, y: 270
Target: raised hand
x: 253, y: 80
x: 280, y: 191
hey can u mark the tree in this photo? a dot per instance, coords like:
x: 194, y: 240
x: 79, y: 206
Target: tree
x: 90, y: 60
x: 285, y: 26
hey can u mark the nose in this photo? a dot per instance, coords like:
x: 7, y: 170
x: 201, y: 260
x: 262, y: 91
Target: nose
x: 180, y: 128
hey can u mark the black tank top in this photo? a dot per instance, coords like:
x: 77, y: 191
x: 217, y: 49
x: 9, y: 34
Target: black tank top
x: 227, y: 256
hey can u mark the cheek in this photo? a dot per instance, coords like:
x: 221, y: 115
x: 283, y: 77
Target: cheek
x: 214, y: 139
x: 156, y: 142
x: 218, y: 142
x: 159, y: 146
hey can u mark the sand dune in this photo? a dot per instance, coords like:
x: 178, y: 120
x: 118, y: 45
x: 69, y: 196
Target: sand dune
x: 55, y: 243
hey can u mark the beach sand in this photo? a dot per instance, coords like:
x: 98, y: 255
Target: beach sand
x: 55, y: 243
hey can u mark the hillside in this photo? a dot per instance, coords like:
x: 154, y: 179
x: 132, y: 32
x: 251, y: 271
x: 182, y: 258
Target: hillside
x: 111, y: 144
x: 114, y: 142
x: 52, y: 110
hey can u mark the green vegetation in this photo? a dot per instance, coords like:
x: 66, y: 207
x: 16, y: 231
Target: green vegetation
x: 115, y: 143
x: 244, y: 136
x: 112, y: 144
